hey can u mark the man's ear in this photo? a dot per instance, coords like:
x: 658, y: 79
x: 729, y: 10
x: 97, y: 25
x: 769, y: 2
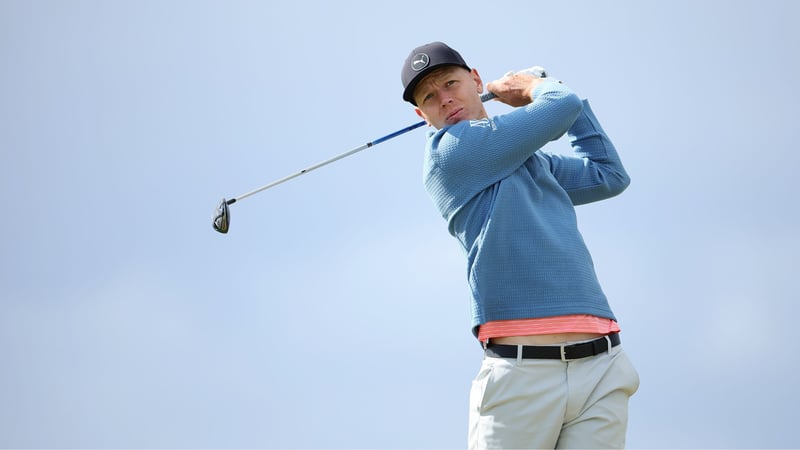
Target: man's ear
x: 477, y: 78
x: 421, y: 114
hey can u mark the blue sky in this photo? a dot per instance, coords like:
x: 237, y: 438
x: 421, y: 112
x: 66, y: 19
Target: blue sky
x: 334, y: 314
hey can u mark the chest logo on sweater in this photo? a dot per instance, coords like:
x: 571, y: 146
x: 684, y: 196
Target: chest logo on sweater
x: 482, y: 123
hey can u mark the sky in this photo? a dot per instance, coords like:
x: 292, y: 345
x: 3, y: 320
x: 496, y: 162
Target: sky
x: 334, y: 314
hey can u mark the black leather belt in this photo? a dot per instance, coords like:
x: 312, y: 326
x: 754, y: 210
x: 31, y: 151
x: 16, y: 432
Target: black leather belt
x: 562, y: 352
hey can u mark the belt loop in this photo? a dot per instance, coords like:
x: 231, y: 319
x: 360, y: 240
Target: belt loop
x: 519, y: 353
x: 563, y: 353
x: 608, y: 341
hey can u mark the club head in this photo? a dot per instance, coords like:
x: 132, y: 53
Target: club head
x: 222, y: 217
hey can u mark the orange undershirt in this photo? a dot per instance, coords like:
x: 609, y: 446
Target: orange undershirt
x: 575, y: 323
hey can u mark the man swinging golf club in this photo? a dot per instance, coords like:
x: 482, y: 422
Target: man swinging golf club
x: 554, y: 374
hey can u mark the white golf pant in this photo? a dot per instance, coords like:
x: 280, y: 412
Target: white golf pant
x: 546, y: 403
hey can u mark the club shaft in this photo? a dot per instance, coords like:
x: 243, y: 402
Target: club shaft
x: 485, y: 97
x: 328, y: 161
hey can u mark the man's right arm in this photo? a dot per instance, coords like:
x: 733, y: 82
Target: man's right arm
x: 470, y: 156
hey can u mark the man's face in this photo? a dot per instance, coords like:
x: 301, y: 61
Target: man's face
x: 449, y: 95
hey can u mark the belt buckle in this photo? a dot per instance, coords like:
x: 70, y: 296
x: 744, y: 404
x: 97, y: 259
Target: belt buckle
x: 563, y: 350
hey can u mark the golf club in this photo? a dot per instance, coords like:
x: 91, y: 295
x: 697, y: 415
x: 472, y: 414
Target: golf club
x: 222, y: 215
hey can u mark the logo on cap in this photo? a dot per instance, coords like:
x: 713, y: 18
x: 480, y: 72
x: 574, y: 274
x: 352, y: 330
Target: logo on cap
x: 419, y: 62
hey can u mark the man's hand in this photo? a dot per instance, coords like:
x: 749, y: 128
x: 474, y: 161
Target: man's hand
x: 514, y: 89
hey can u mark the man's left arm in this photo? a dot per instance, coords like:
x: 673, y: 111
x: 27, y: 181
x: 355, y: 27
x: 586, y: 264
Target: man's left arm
x: 596, y: 171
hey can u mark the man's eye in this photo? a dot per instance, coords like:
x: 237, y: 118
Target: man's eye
x: 451, y: 82
x: 427, y: 97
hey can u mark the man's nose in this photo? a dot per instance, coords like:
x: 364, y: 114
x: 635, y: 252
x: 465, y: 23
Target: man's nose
x: 446, y: 100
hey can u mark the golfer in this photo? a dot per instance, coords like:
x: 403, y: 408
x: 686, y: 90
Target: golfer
x: 554, y: 374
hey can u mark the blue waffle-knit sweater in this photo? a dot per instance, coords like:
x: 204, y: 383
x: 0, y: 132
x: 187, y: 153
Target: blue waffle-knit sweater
x: 511, y: 205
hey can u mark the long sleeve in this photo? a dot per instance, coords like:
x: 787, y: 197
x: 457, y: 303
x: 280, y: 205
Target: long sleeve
x: 510, y: 205
x: 466, y: 158
x: 596, y: 171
